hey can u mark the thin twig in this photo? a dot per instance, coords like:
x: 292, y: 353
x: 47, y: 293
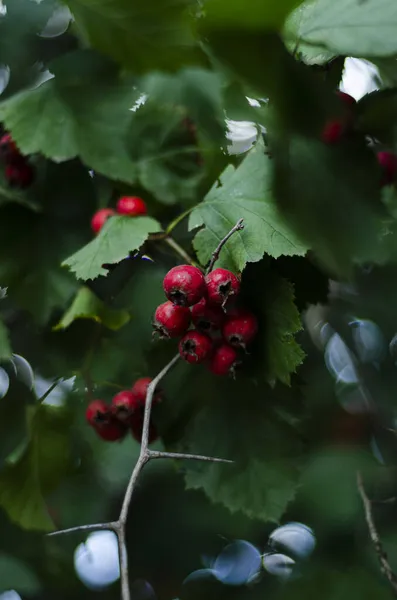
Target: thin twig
x: 179, y: 250
x: 179, y: 456
x: 374, y: 535
x: 215, y: 255
x: 111, y: 526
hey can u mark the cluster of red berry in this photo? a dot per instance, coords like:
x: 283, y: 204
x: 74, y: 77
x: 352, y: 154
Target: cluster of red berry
x: 131, y: 206
x: 18, y: 172
x: 221, y: 329
x: 126, y: 411
x: 335, y: 129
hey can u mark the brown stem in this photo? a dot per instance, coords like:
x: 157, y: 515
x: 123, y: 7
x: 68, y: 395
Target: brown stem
x: 374, y: 535
x: 215, y: 255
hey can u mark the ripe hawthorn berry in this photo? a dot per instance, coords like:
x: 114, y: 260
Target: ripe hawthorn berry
x: 131, y: 206
x: 139, y: 389
x: 195, y: 347
x: 223, y: 360
x: 184, y: 285
x: 100, y: 217
x: 137, y: 427
x: 124, y: 404
x: 19, y: 174
x: 170, y: 320
x: 99, y: 416
x: 8, y: 148
x: 388, y: 164
x: 221, y: 284
x: 207, y: 317
x: 240, y: 328
x: 333, y: 131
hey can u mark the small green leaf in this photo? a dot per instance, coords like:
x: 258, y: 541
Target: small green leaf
x: 140, y: 35
x: 87, y: 306
x: 119, y: 236
x: 248, y: 14
x: 5, y: 347
x: 83, y: 111
x: 14, y: 574
x: 351, y: 27
x: 38, y: 470
x: 245, y: 193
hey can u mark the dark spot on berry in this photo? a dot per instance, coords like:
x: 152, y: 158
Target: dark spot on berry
x: 203, y: 324
x: 225, y: 288
x: 178, y: 298
x: 189, y: 346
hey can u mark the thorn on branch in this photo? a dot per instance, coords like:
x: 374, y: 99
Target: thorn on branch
x: 374, y: 535
x: 215, y: 255
x: 181, y: 456
x: 94, y: 527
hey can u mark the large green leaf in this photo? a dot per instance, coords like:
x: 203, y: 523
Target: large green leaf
x: 38, y: 470
x: 140, y: 35
x: 87, y: 306
x: 119, y: 236
x: 14, y: 574
x: 33, y: 244
x: 83, y: 111
x: 251, y: 14
x: 331, y: 197
x: 350, y: 27
x: 245, y: 193
x: 238, y: 422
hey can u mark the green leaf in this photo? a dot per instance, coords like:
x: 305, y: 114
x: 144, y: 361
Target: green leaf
x: 83, y: 111
x: 236, y: 421
x: 351, y: 27
x: 251, y: 14
x: 87, y: 306
x: 245, y: 193
x: 196, y: 91
x: 282, y: 321
x: 140, y: 35
x: 38, y: 471
x: 5, y: 347
x: 377, y: 114
x: 33, y: 244
x: 22, y: 21
x: 13, y: 407
x: 334, y: 209
x: 15, y: 574
x: 119, y: 236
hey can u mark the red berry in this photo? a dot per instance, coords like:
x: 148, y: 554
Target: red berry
x: 137, y: 427
x: 221, y: 284
x: 184, y: 285
x: 139, y: 389
x: 388, y: 163
x: 99, y: 416
x: 224, y: 360
x: 206, y: 317
x: 8, y: 148
x: 240, y: 329
x: 100, y: 217
x: 170, y: 320
x: 333, y: 131
x: 195, y: 347
x: 111, y: 431
x: 346, y: 98
x: 97, y: 413
x: 131, y: 206
x: 19, y: 174
x: 124, y: 404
